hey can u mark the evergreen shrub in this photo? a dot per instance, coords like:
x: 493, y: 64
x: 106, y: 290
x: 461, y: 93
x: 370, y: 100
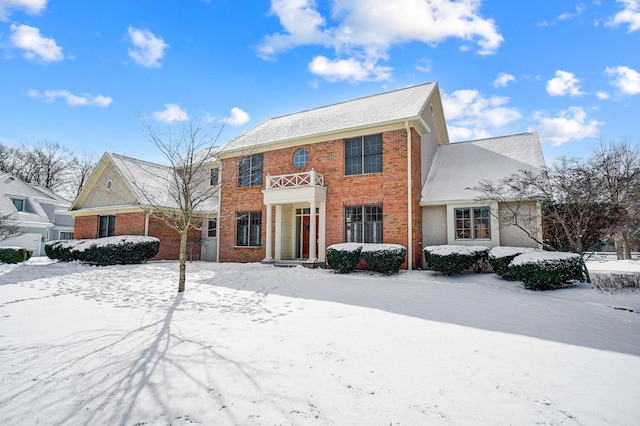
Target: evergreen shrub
x: 343, y: 258
x: 124, y: 249
x: 548, y: 270
x: 500, y: 258
x: 14, y: 254
x: 384, y: 258
x: 456, y: 259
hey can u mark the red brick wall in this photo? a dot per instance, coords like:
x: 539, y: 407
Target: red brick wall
x: 133, y: 224
x: 388, y: 188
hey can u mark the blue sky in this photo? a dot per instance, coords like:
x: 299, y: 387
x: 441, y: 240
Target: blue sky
x: 82, y: 72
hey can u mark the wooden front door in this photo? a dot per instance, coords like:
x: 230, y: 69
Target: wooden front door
x: 306, y: 226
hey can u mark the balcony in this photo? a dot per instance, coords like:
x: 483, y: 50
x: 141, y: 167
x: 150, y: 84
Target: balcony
x: 295, y: 180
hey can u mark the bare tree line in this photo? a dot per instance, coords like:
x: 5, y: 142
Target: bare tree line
x: 49, y: 164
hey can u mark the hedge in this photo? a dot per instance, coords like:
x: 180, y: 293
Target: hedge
x: 500, y: 258
x: 14, y: 254
x: 456, y: 259
x: 548, y: 270
x: 384, y: 258
x: 123, y: 249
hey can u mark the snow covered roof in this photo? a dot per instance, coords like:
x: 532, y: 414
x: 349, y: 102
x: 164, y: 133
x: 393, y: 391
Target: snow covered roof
x: 461, y: 165
x: 383, y: 108
x: 12, y: 187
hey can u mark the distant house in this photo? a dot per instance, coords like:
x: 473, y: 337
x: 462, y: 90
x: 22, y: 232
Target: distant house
x: 378, y: 169
x: 120, y: 198
x: 40, y: 214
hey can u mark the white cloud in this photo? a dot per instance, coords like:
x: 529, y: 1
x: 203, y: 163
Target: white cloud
x: 147, y: 49
x: 626, y: 79
x: 564, y: 83
x: 630, y: 14
x: 172, y: 112
x: 602, y: 95
x: 237, y: 118
x: 471, y: 115
x: 424, y: 65
x: 365, y: 30
x: 348, y: 69
x: 85, y: 99
x: 36, y: 47
x: 568, y: 125
x: 577, y: 11
x: 503, y: 79
x: 31, y: 7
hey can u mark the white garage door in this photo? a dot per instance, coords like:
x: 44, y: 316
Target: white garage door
x: 29, y: 241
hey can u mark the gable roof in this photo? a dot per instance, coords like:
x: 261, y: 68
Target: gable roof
x: 12, y: 187
x: 460, y: 165
x: 384, y: 108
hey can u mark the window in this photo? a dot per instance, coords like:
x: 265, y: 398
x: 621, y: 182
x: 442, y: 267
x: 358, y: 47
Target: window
x: 300, y: 158
x: 363, y: 155
x: 363, y: 224
x: 248, y: 229
x: 18, y: 203
x: 212, y: 228
x: 250, y: 170
x: 107, y: 226
x: 66, y: 235
x: 215, y: 177
x: 472, y: 223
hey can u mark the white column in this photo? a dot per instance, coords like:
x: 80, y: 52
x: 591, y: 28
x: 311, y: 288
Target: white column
x: 268, y: 257
x: 322, y: 232
x: 278, y: 232
x: 312, y: 231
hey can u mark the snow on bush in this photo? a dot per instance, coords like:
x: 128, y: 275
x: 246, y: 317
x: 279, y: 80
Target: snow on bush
x: 617, y: 281
x: 14, y: 254
x: 456, y: 259
x: 500, y: 258
x: 545, y: 270
x: 121, y: 249
x: 383, y: 258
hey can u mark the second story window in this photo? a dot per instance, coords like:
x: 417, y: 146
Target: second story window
x: 18, y: 203
x: 363, y: 155
x: 250, y: 170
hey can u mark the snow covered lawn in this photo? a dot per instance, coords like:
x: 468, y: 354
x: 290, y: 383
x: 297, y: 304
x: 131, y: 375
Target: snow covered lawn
x: 257, y: 345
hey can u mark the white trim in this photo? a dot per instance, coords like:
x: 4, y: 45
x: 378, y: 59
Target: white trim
x: 495, y: 225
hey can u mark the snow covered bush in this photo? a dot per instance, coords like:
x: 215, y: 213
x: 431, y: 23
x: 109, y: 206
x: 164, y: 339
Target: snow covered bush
x: 617, y: 281
x: 501, y: 257
x: 343, y: 258
x: 454, y: 259
x: 122, y: 249
x: 546, y: 270
x: 14, y: 254
x: 384, y: 258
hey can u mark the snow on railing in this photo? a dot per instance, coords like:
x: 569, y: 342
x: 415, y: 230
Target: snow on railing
x: 311, y: 178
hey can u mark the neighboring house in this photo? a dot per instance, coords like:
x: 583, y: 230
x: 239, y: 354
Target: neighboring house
x: 378, y: 169
x: 40, y: 214
x: 121, y: 196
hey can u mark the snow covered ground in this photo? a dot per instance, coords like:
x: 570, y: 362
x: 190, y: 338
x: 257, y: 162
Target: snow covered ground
x: 257, y: 345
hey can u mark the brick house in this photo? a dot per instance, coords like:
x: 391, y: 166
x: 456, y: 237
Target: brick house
x: 378, y: 169
x: 120, y: 198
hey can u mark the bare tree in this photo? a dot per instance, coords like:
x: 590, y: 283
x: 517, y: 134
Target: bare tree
x: 84, y: 166
x: 575, y: 210
x: 618, y: 163
x: 187, y: 180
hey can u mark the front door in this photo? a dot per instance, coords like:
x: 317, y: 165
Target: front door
x: 302, y: 230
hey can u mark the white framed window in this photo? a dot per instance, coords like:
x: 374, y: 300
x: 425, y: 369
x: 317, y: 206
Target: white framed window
x: 248, y: 229
x: 472, y: 223
x: 212, y: 228
x: 363, y: 224
x: 250, y: 170
x: 363, y: 155
x: 300, y: 158
x: 19, y: 204
x: 107, y: 226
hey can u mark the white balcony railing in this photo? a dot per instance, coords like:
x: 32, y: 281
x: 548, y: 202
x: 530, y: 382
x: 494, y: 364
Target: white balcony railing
x: 293, y: 180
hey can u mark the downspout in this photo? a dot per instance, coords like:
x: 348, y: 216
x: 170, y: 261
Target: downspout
x: 146, y: 224
x: 409, y: 201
